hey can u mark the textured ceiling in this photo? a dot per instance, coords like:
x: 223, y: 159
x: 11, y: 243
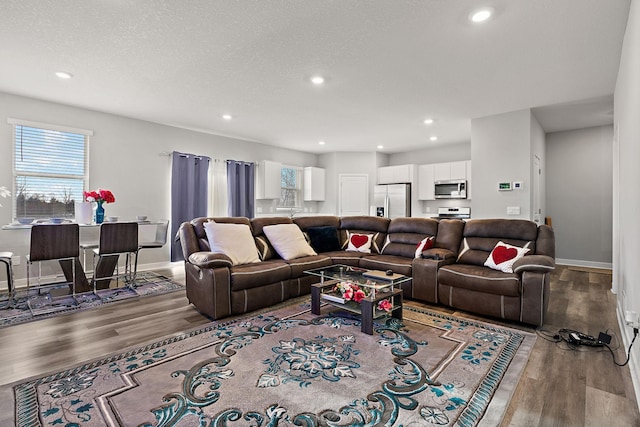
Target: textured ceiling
x: 388, y: 65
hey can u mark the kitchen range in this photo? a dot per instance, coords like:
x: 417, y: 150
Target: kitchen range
x: 451, y: 213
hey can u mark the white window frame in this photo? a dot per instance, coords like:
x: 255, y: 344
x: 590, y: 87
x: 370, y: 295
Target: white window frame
x: 298, y: 188
x: 49, y: 127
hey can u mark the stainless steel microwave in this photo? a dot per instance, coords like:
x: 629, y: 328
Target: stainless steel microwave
x: 451, y: 189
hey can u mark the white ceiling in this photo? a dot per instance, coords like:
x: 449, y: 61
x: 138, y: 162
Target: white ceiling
x: 388, y: 65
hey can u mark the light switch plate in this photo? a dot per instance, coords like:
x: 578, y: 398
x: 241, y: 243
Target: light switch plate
x: 513, y: 210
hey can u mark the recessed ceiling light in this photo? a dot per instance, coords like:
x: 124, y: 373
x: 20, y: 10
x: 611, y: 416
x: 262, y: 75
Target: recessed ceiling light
x: 63, y: 75
x: 321, y: 142
x: 433, y: 138
x: 428, y: 121
x: 380, y: 147
x: 317, y: 80
x: 227, y: 116
x: 481, y: 15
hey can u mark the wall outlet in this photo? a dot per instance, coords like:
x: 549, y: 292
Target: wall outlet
x: 631, y: 318
x: 15, y: 260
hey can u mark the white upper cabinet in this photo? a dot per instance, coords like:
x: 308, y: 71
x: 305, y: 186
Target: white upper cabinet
x: 268, y: 180
x: 450, y: 170
x: 399, y: 174
x: 426, y: 174
x: 314, y: 179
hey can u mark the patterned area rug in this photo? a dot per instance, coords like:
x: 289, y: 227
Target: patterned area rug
x: 289, y: 367
x: 32, y: 305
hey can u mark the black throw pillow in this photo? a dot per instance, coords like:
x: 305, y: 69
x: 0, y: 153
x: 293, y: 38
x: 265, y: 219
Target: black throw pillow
x: 324, y: 239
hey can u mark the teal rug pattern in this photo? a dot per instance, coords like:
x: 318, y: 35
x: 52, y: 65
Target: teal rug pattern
x: 31, y: 305
x: 291, y: 368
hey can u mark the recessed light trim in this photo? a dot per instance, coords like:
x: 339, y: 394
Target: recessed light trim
x: 428, y: 121
x: 317, y: 80
x: 227, y: 116
x: 321, y: 142
x: 433, y: 138
x: 380, y: 147
x: 63, y: 75
x: 481, y: 15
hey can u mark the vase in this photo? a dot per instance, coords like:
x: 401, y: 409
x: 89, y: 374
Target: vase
x: 83, y: 212
x: 99, y: 219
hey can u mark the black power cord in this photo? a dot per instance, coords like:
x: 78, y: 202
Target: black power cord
x: 635, y: 334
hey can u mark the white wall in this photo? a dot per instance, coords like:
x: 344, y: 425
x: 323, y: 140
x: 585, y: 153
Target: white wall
x: 501, y: 150
x: 626, y: 201
x: 579, y: 194
x: 437, y: 154
x: 125, y: 157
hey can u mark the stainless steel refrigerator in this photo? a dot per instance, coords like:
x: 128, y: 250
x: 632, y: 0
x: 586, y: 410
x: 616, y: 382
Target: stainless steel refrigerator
x: 392, y: 200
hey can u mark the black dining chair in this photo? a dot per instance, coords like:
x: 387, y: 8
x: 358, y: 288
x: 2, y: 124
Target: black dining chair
x: 54, y: 242
x: 116, y: 238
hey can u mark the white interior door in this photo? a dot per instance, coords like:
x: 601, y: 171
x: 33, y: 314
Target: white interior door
x: 354, y: 194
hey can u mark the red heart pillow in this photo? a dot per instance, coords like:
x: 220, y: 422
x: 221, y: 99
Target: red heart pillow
x: 501, y: 254
x: 359, y: 242
x: 426, y: 243
x: 504, y: 255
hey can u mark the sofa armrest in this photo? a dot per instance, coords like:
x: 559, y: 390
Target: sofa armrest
x: 439, y: 254
x: 210, y: 260
x: 538, y: 263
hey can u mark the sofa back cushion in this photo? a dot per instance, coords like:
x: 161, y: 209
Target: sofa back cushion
x: 405, y: 234
x: 321, y: 231
x: 480, y: 236
x: 373, y: 225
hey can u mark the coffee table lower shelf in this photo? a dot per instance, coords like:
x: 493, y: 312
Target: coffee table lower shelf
x: 367, y: 309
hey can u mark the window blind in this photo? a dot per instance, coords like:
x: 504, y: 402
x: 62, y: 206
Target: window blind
x: 50, y: 170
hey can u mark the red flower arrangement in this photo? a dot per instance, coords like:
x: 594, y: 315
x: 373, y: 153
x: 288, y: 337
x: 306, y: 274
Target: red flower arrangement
x: 352, y: 292
x: 99, y: 196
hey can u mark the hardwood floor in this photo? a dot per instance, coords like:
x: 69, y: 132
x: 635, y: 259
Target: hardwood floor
x: 560, y: 386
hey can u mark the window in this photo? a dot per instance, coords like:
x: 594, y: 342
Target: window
x: 290, y: 187
x: 49, y: 169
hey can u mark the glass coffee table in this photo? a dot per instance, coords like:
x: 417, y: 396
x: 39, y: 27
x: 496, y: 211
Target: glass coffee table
x: 377, y: 285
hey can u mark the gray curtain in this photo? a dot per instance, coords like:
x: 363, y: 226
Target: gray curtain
x: 240, y: 182
x: 189, y: 189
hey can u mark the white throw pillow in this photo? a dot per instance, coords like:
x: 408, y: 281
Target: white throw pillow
x: 232, y: 240
x: 288, y: 241
x: 504, y: 255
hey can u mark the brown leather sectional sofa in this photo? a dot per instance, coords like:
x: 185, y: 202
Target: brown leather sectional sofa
x: 451, y: 273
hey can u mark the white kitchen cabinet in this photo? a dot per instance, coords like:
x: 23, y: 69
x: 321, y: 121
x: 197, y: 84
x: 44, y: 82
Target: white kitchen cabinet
x: 268, y: 180
x: 458, y: 170
x: 450, y: 170
x: 399, y: 174
x: 426, y: 174
x: 314, y: 179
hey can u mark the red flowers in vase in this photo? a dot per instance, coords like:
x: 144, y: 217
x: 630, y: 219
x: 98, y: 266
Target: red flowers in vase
x: 99, y: 196
x: 352, y: 292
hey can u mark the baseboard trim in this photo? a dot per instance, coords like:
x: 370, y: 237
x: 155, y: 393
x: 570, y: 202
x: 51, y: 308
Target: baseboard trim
x: 580, y: 263
x: 634, y: 358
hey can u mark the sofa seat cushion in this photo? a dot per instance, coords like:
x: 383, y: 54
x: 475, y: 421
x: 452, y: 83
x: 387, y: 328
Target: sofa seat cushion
x: 350, y: 258
x: 300, y: 265
x: 255, y: 275
x: 398, y: 264
x: 480, y: 279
